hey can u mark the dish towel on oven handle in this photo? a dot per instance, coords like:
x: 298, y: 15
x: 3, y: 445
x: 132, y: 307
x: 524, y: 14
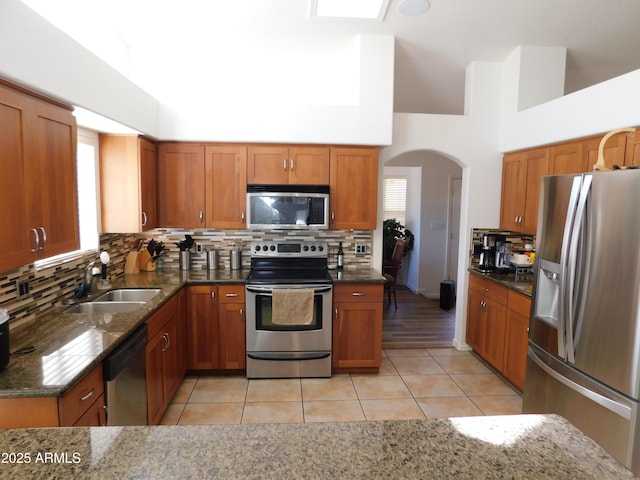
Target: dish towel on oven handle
x: 292, y: 306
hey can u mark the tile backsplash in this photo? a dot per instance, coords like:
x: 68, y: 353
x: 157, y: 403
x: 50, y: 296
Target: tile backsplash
x: 49, y: 286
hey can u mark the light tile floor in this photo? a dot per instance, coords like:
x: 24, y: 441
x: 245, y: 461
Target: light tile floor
x: 412, y: 383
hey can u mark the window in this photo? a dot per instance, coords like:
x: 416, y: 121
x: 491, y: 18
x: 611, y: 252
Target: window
x: 394, y: 201
x: 87, y: 161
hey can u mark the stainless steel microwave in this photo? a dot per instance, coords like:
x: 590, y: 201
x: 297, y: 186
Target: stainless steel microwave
x: 288, y: 206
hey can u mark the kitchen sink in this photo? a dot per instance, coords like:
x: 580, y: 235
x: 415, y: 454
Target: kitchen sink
x: 106, y: 307
x: 128, y: 295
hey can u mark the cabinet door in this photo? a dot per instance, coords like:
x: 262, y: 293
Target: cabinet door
x: 52, y: 197
x: 17, y: 240
x: 181, y: 185
x: 232, y: 341
x: 268, y: 165
x: 181, y: 332
x: 155, y: 377
x: 537, y: 167
x: 494, y: 335
x: 226, y: 173
x: 202, y: 328
x: 357, y: 335
x: 613, y: 151
x: 148, y: 184
x: 632, y: 152
x: 475, y: 321
x: 515, y: 357
x: 171, y: 363
x: 95, y: 416
x: 354, y: 188
x: 567, y: 158
x: 514, y: 179
x: 309, y: 165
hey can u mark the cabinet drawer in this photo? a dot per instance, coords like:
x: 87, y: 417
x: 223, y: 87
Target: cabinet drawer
x: 162, y: 316
x: 358, y: 293
x: 231, y: 293
x: 489, y: 289
x: 75, y: 403
x: 520, y: 304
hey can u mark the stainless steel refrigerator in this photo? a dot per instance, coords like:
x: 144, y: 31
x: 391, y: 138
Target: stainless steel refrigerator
x: 584, y: 338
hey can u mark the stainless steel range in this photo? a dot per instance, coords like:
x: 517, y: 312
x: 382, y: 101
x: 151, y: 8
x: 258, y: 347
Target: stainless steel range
x: 289, y: 294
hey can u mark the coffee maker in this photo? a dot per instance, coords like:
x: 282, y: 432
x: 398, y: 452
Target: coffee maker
x: 488, y: 251
x: 503, y: 256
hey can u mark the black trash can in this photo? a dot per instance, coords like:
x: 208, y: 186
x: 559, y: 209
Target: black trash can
x: 447, y: 294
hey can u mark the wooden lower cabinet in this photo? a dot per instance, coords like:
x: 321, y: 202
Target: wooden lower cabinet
x: 497, y: 325
x: 216, y: 327
x: 357, y: 327
x: 165, y: 357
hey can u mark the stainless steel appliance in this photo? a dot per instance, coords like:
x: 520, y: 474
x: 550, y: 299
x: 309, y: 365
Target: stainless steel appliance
x: 488, y: 252
x: 126, y: 381
x: 287, y: 206
x: 289, y: 294
x: 584, y: 337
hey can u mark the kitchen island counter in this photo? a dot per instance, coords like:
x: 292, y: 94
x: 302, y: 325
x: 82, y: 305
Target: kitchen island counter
x: 519, y: 446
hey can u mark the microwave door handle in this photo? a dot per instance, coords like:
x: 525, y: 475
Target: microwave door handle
x: 563, y: 312
x: 572, y: 266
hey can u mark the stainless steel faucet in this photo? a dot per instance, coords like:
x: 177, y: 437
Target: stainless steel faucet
x: 88, y: 278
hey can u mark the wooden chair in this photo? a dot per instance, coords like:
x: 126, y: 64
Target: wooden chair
x: 390, y: 269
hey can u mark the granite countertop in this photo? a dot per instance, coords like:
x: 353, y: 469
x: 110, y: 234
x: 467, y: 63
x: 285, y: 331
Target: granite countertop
x: 356, y: 275
x: 522, y: 283
x: 70, y: 345
x: 500, y: 447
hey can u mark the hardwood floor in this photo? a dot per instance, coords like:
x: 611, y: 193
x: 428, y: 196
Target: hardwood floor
x: 418, y: 322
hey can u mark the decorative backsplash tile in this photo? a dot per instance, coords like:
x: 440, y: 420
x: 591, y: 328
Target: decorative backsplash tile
x: 51, y: 285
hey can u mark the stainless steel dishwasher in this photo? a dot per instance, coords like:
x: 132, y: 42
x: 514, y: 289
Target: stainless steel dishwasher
x: 125, y: 375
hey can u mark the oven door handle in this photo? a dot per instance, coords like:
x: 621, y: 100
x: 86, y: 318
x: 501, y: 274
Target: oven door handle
x: 288, y: 356
x: 268, y: 290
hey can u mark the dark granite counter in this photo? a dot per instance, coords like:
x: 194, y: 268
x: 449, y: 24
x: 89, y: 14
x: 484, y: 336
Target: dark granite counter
x: 356, y: 275
x: 504, y: 447
x: 520, y: 283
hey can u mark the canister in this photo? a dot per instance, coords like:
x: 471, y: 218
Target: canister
x: 235, y: 259
x: 212, y: 259
x: 185, y: 260
x: 4, y: 338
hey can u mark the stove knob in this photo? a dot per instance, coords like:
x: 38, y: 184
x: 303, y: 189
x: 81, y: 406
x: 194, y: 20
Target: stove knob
x: 272, y: 248
x: 257, y: 248
x: 305, y: 248
x: 320, y: 248
x: 313, y: 248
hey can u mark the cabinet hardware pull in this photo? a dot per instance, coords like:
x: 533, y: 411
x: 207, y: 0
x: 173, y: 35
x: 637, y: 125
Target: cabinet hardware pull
x: 88, y: 395
x: 231, y: 294
x: 37, y: 239
x: 242, y: 313
x: 284, y: 164
x: 201, y: 216
x: 291, y: 165
x: 44, y: 238
x: 242, y: 216
x: 213, y: 295
x: 168, y: 340
x: 106, y: 415
x: 336, y: 313
x: 333, y: 216
x: 144, y: 219
x: 358, y: 294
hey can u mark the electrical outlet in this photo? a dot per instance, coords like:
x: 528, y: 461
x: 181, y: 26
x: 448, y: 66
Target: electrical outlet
x: 22, y: 288
x: 198, y: 248
x: 361, y: 248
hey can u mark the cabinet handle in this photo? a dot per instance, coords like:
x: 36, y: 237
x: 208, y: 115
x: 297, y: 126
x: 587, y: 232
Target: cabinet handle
x: 284, y: 164
x: 333, y: 216
x: 144, y: 219
x: 44, y: 238
x: 336, y: 313
x: 485, y: 289
x: 291, y: 164
x: 166, y: 342
x: 213, y: 295
x: 358, y: 294
x: 231, y: 294
x: 88, y: 395
x: 201, y: 216
x: 242, y: 216
x: 37, y: 239
x: 106, y: 415
x: 242, y: 314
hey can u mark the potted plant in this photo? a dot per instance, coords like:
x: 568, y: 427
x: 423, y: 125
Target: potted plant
x: 391, y: 231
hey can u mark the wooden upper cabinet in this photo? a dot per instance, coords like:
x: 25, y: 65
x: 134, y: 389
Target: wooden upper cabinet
x: 39, y: 199
x: 128, y: 183
x: 354, y: 187
x: 632, y: 153
x: 181, y: 185
x: 537, y: 167
x: 281, y: 164
x: 514, y: 178
x: 226, y: 186
x: 613, y: 151
x: 567, y: 158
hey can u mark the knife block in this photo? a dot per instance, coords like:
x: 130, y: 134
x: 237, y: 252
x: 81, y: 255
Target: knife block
x: 132, y: 264
x: 145, y: 263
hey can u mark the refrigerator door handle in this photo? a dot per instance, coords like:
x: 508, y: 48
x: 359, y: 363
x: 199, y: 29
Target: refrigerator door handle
x: 563, y: 300
x: 573, y: 259
x: 608, y: 403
